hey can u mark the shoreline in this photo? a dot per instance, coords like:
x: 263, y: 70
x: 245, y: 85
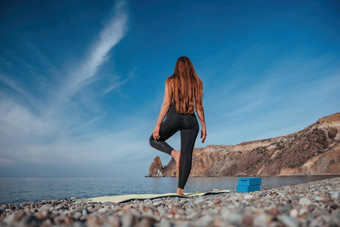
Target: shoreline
x: 277, y: 175
x: 315, y: 203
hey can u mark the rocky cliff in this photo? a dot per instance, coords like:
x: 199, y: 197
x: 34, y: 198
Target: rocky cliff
x: 313, y: 150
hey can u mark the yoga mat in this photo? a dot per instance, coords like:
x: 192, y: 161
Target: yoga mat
x: 128, y: 197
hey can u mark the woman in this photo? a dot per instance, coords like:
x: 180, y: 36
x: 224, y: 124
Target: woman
x: 183, y: 96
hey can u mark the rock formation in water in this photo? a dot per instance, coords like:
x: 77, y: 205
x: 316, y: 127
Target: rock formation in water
x: 314, y: 150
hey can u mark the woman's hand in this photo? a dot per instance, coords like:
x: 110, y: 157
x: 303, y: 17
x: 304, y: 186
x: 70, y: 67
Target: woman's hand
x: 203, y: 134
x: 155, y: 133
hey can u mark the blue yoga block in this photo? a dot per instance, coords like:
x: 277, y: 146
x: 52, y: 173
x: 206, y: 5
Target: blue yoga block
x: 245, y: 188
x: 248, y: 181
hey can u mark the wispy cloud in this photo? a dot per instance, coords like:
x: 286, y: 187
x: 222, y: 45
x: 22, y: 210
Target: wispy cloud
x: 110, y: 36
x: 116, y: 84
x: 12, y: 84
x: 49, y: 131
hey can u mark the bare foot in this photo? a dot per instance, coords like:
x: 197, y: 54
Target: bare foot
x: 177, y: 156
x: 179, y: 191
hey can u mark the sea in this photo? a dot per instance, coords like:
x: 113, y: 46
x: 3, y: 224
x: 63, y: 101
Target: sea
x: 33, y: 189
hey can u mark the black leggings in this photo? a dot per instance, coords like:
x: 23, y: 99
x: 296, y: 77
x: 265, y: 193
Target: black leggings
x: 188, y: 125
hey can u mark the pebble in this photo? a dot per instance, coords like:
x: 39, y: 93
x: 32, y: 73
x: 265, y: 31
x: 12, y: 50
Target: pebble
x: 304, y: 201
x: 165, y: 223
x: 319, y: 198
x: 102, y: 210
x: 261, y: 220
x: 199, y: 200
x: 127, y: 219
x: 77, y: 215
x: 9, y: 218
x: 308, y: 204
x: 335, y: 195
x: 288, y: 221
x: 235, y: 218
x: 59, y: 207
x: 293, y: 213
x: 248, y: 196
x: 157, y: 203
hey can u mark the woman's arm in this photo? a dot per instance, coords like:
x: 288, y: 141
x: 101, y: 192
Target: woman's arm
x: 164, y: 110
x: 200, y: 113
x: 200, y: 110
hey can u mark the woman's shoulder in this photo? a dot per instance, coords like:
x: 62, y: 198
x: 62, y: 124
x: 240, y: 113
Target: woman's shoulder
x: 169, y: 81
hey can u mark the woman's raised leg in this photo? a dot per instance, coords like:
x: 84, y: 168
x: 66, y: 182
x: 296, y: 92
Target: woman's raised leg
x: 167, y: 128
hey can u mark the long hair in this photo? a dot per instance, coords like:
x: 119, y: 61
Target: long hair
x: 186, y: 88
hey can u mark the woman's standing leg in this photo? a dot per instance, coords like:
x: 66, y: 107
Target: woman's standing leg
x: 188, y: 138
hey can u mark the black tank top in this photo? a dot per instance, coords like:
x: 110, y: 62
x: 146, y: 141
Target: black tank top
x: 173, y: 106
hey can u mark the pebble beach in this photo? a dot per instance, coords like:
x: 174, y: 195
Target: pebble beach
x: 307, y: 204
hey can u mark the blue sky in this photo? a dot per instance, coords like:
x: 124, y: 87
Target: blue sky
x: 82, y: 82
